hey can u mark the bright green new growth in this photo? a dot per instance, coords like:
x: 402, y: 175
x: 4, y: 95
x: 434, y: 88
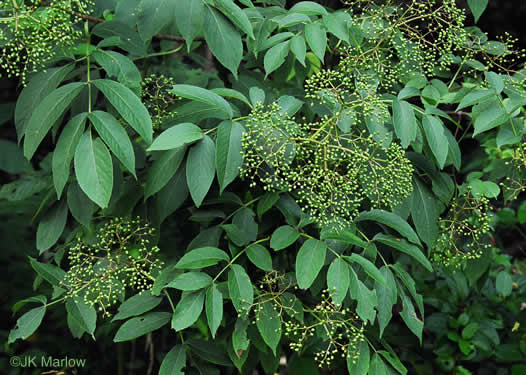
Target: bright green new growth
x: 121, y: 258
x: 332, y: 173
x: 31, y: 33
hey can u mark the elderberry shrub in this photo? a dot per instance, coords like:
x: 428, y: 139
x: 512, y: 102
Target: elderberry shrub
x: 121, y: 258
x: 32, y: 33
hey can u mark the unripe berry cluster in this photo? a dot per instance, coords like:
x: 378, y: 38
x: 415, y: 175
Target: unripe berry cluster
x: 393, y: 41
x: 32, y: 33
x: 515, y: 182
x: 157, y: 99
x: 122, y: 257
x: 463, y: 231
x: 335, y: 324
x: 330, y: 172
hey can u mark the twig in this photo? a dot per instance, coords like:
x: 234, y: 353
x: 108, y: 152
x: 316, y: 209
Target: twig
x: 87, y: 17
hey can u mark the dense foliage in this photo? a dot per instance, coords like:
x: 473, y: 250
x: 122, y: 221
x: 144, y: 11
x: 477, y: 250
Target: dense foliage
x: 239, y: 185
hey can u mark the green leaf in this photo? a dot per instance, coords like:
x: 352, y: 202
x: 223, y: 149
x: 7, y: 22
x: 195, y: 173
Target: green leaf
x: 128, y: 105
x: 228, y: 152
x: 240, y: 288
x: 260, y: 257
x: 309, y: 261
x: 209, y: 351
x: 338, y: 280
x: 377, y: 365
x: 469, y: 331
x: 283, y: 237
x: 477, y: 8
x: 394, y: 361
x: 129, y: 39
x: 188, y: 309
x: 236, y: 15
x: 366, y: 298
x: 405, y: 247
x: 119, y: 66
x: 172, y: 195
x: 47, y: 113
x: 484, y: 188
x: 360, y: 365
x: 343, y: 236
x: 137, y: 305
x: 200, y: 169
x: 387, y: 296
x: 52, y: 274
x: 191, y: 281
x: 174, y: 361
x: 37, y: 299
x: 141, y: 325
x: 199, y: 94
x: 153, y: 15
x: 409, y: 283
x: 214, y: 308
x: 240, y: 340
x: 338, y: 24
x: 309, y: 8
x: 504, y: 283
x: 41, y: 84
x: 404, y: 122
x: 267, y: 202
x: 176, y: 136
x: 230, y: 93
x: 274, y: 39
x: 65, y: 150
x: 94, y: 170
x: 162, y: 170
x: 51, y: 226
x: 475, y: 97
x: 268, y: 321
x: 410, y: 318
x: 292, y: 19
x: 391, y: 220
x: 289, y: 105
x: 275, y: 57
x: 495, y: 81
x: 298, y: 48
x: 424, y: 210
x: 436, y: 138
x: 189, y: 17
x: 316, y: 39
x: 27, y: 324
x: 454, y: 150
x: 114, y: 135
x: 84, y: 314
x: 223, y: 39
x: 368, y: 266
x: 490, y: 118
x: 201, y: 258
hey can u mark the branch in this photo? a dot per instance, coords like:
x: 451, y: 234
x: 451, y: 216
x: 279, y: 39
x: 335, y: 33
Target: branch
x: 87, y: 17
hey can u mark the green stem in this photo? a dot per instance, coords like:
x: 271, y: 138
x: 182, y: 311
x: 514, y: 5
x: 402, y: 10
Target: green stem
x: 237, y: 256
x: 162, y: 53
x: 169, y: 300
